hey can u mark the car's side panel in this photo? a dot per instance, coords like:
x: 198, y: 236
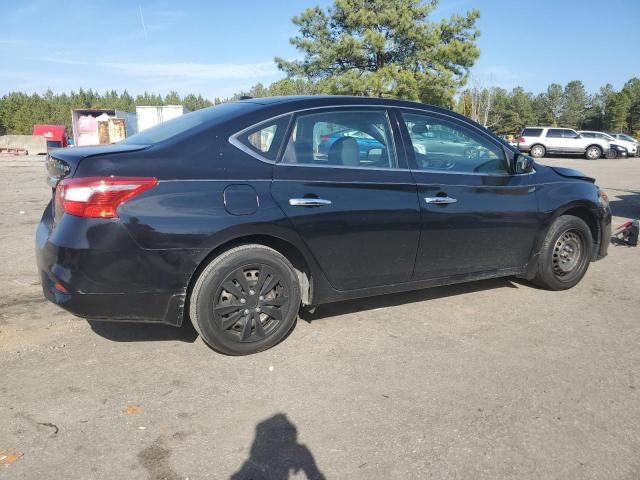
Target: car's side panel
x: 368, y: 235
x: 494, y: 214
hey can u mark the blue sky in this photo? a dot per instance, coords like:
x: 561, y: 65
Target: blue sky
x: 219, y: 47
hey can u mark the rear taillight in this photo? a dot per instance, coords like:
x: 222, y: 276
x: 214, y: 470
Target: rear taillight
x: 99, y: 197
x: 521, y: 140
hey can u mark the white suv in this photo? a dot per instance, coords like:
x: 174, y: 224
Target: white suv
x: 539, y: 141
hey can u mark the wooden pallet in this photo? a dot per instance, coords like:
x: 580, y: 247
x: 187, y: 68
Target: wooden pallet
x: 13, y: 151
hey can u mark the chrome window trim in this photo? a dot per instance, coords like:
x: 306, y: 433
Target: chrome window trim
x: 236, y: 142
x: 346, y: 167
x: 233, y: 139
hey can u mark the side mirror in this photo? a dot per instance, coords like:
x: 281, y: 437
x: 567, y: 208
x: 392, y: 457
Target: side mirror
x: 523, y: 163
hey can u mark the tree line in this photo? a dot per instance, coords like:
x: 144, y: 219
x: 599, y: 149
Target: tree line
x: 20, y: 111
x: 507, y: 112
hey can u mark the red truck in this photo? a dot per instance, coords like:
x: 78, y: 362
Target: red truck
x: 55, y: 135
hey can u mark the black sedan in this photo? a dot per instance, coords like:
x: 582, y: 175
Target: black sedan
x: 234, y: 218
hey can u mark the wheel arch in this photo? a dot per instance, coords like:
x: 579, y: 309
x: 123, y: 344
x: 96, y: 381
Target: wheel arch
x: 301, y: 263
x: 583, y: 210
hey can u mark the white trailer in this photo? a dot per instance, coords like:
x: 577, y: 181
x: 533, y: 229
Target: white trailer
x: 151, y: 116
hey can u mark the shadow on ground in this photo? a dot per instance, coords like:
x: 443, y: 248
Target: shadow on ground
x: 625, y: 204
x: 392, y: 300
x: 150, y: 332
x: 143, y: 332
x: 275, y: 453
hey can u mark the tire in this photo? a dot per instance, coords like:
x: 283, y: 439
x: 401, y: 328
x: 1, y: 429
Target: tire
x: 593, y: 152
x: 612, y: 154
x: 246, y: 300
x: 538, y: 151
x: 565, y: 254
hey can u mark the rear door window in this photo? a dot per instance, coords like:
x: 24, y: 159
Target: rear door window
x: 531, y: 132
x: 344, y: 138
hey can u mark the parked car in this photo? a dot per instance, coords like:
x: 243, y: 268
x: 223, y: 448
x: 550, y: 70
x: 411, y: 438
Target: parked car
x: 200, y: 219
x: 616, y: 148
x: 627, y: 138
x: 619, y: 147
x: 366, y: 143
x: 439, y: 141
x: 539, y: 141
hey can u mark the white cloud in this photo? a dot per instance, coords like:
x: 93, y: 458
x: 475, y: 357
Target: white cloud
x: 208, y: 71
x: 201, y: 71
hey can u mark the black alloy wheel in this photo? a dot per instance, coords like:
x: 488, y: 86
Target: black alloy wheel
x: 250, y: 302
x: 245, y: 300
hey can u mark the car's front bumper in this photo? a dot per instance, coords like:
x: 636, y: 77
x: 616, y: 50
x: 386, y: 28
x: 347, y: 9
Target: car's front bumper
x: 604, y: 226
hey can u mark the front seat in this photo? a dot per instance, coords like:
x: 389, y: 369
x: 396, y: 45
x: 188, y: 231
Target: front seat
x: 344, y: 151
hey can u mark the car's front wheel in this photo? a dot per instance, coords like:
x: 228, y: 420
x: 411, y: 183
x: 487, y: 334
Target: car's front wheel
x: 246, y: 300
x: 612, y: 153
x: 593, y: 153
x: 565, y: 254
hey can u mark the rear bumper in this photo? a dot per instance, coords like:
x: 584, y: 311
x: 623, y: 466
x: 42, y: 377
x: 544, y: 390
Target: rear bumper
x: 93, y: 269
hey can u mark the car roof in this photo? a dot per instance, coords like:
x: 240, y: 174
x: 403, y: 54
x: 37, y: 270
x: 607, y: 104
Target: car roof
x: 556, y: 128
x: 300, y: 102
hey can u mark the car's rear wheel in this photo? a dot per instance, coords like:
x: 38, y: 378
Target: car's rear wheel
x: 593, y: 153
x: 565, y: 254
x: 537, y: 151
x: 246, y: 300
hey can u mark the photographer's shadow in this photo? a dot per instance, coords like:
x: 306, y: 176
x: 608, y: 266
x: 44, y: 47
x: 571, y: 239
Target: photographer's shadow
x: 119, y: 331
x: 275, y: 453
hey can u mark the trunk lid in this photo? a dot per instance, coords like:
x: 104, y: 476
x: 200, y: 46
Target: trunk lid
x: 63, y: 162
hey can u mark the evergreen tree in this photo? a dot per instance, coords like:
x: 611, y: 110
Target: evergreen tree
x: 385, y: 48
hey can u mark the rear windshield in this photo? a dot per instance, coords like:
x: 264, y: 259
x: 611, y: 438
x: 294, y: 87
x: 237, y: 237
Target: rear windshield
x: 178, y: 126
x: 531, y: 132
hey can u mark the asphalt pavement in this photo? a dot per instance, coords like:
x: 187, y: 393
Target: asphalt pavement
x: 488, y: 380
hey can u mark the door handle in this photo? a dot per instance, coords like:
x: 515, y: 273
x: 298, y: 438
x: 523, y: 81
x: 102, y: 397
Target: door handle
x: 440, y: 200
x: 308, y: 202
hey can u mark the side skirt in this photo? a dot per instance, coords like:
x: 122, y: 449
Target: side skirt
x: 336, y: 296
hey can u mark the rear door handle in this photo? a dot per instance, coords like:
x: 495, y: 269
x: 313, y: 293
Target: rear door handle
x: 308, y: 202
x: 440, y: 200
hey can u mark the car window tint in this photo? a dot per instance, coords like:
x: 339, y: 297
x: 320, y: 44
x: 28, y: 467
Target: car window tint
x: 182, y: 125
x: 555, y: 133
x: 588, y: 135
x: 347, y: 138
x: 266, y: 138
x: 569, y: 134
x: 531, y: 132
x: 442, y: 145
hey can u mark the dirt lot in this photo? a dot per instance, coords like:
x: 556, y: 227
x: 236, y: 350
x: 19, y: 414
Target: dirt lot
x: 489, y: 380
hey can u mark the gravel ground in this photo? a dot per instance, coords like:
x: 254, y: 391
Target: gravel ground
x: 489, y: 380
